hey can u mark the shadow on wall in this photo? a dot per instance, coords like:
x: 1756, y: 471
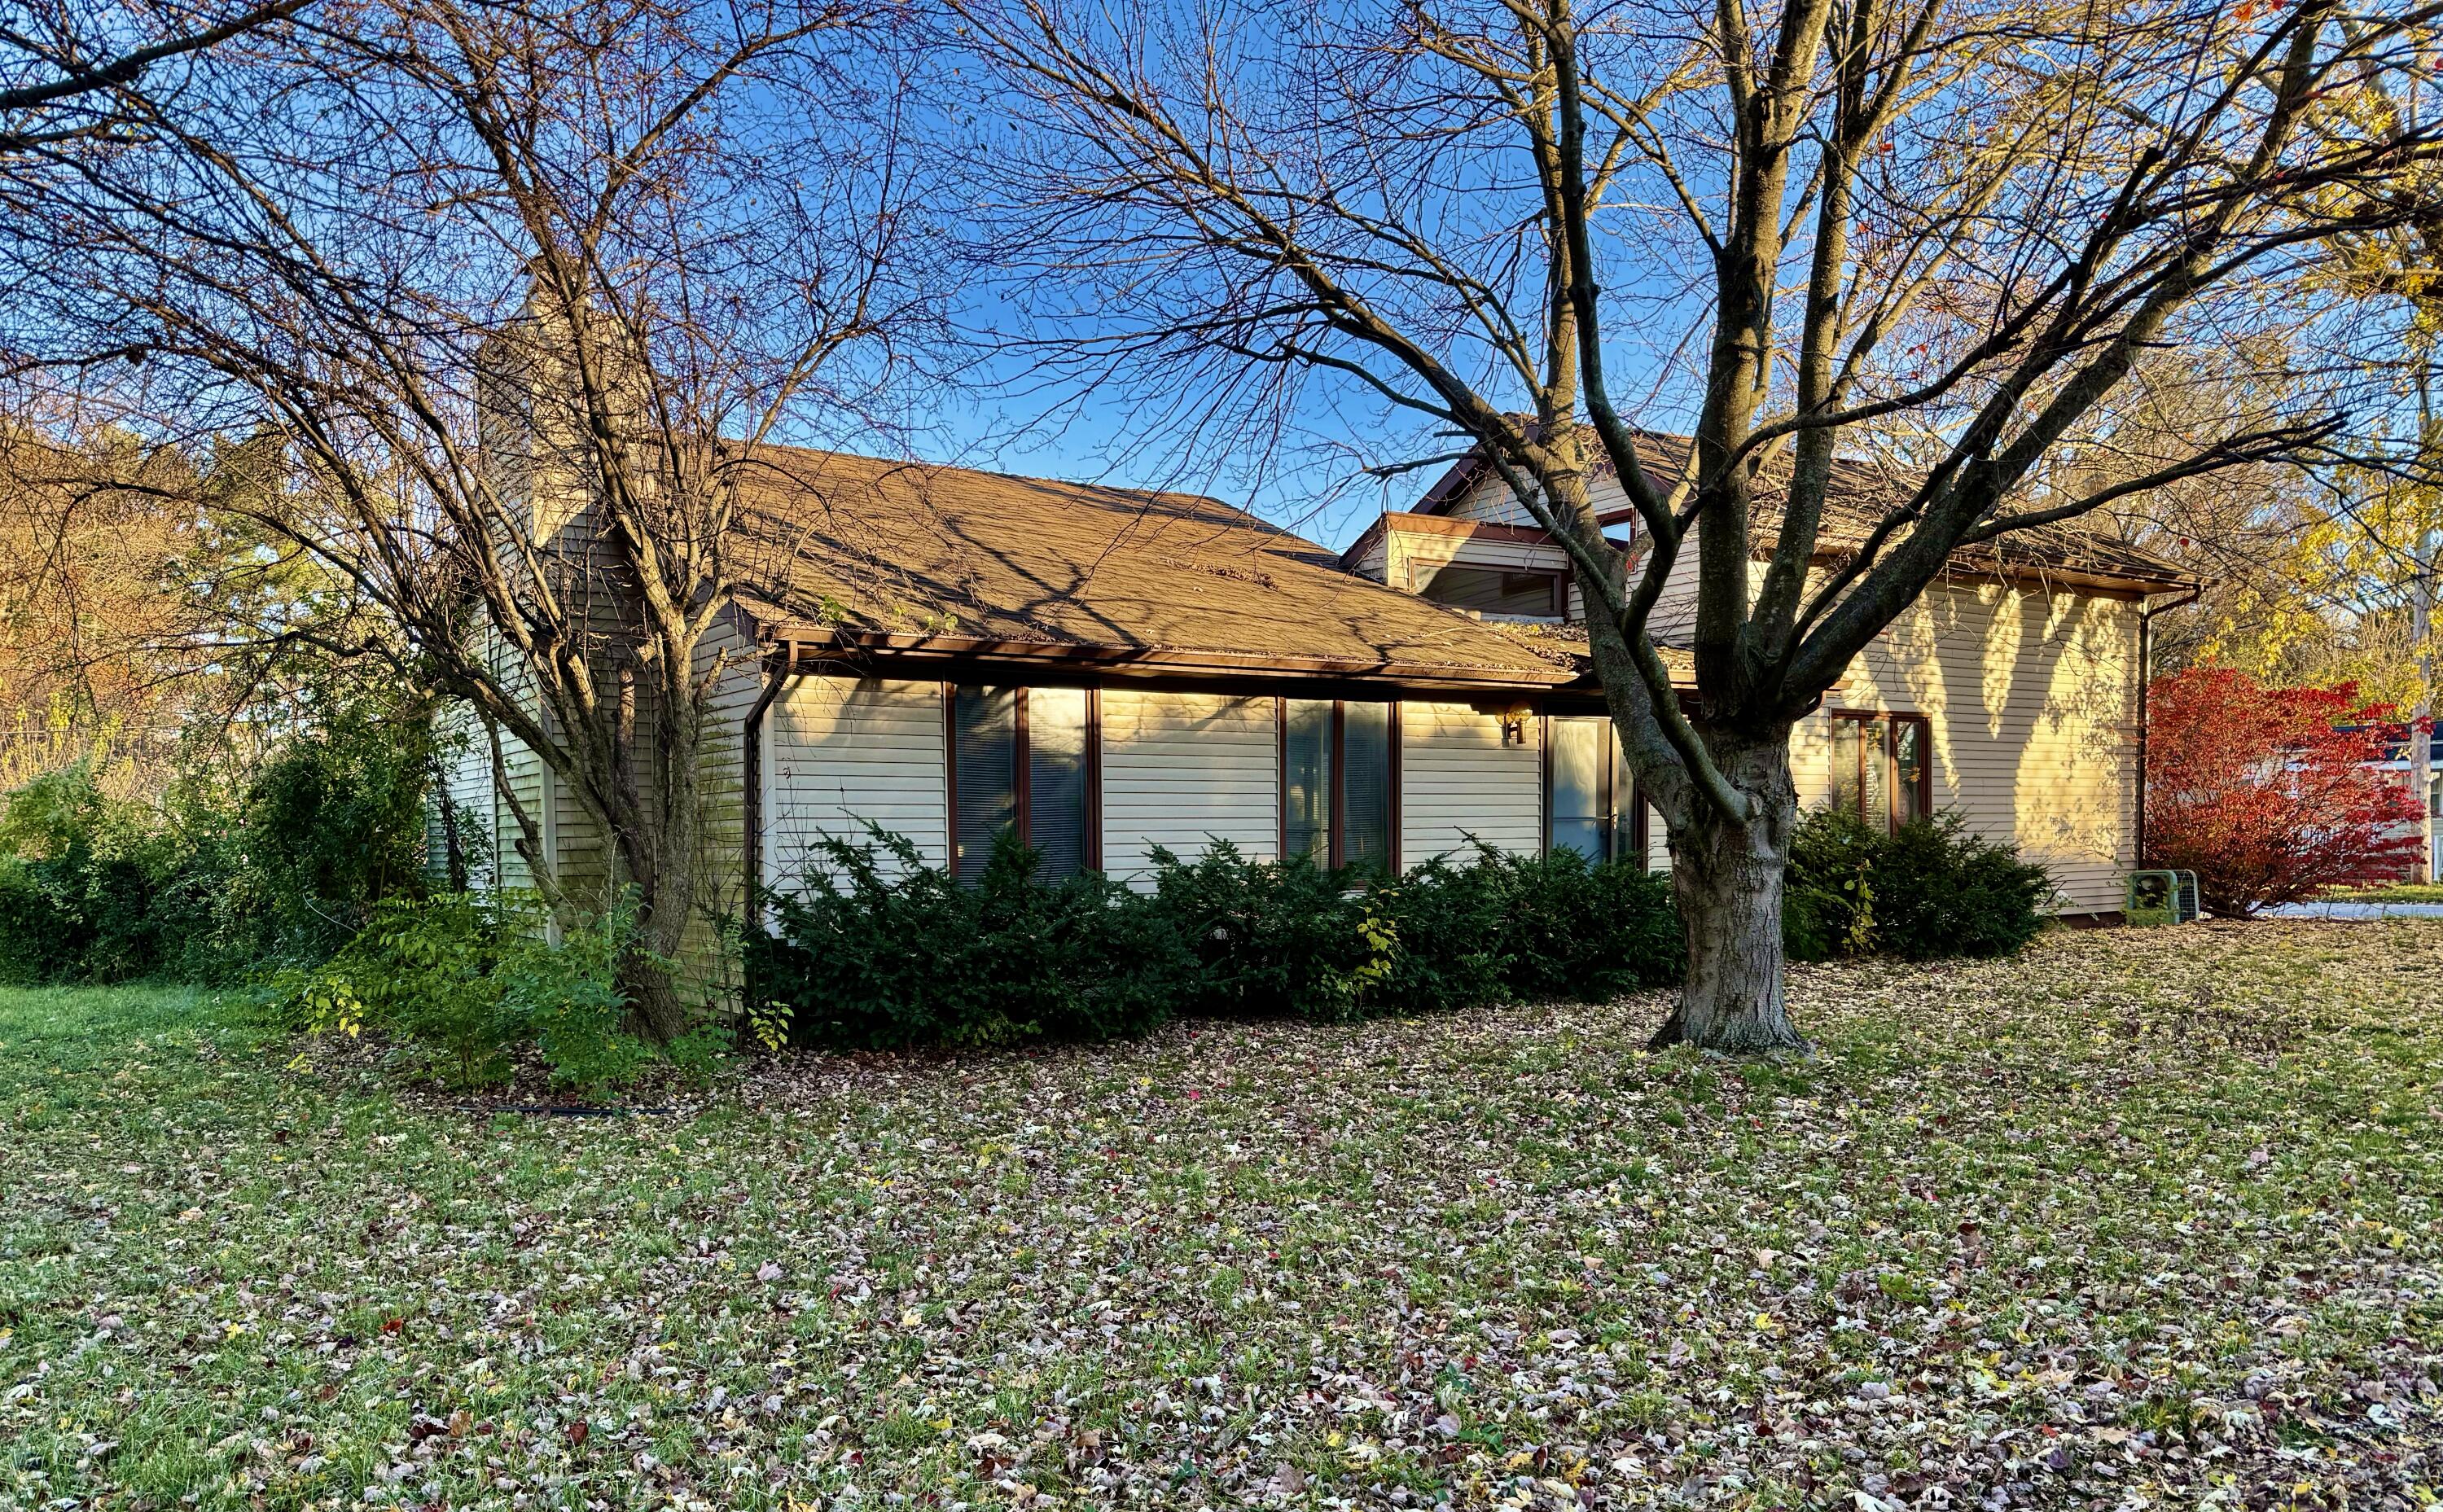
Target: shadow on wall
x: 2033, y: 706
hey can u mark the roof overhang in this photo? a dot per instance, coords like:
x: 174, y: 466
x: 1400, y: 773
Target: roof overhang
x: 951, y: 657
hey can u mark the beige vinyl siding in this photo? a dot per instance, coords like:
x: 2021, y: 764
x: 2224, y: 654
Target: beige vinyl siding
x: 1672, y: 619
x: 1457, y: 781
x: 2030, y: 697
x: 733, y: 674
x: 2031, y: 694
x: 839, y: 751
x: 1416, y: 555
x: 1184, y: 770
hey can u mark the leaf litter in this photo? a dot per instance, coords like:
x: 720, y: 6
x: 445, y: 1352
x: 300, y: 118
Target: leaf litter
x: 2142, y: 1218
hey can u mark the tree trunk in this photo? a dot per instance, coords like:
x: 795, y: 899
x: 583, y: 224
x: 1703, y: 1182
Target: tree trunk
x: 663, y: 878
x: 1727, y: 877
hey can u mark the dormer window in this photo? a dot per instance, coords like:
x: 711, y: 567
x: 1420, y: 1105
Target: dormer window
x: 1519, y: 592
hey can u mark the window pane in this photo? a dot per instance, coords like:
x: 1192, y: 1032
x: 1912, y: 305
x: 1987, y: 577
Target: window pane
x: 1844, y: 766
x: 1366, y: 785
x: 1576, y: 799
x: 1057, y: 810
x: 983, y: 728
x: 1908, y: 769
x: 1875, y: 796
x: 1625, y: 807
x: 1305, y: 778
x: 1490, y: 590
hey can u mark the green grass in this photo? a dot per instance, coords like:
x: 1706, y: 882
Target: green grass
x: 2400, y: 892
x: 2146, y: 1217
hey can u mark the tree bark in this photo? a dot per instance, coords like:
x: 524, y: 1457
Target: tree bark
x: 1727, y: 875
x: 655, y: 1002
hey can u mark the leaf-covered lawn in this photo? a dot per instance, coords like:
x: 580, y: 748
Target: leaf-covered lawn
x: 2144, y: 1218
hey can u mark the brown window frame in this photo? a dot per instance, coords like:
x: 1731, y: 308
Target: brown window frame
x: 1607, y: 781
x: 1334, y: 846
x: 1892, y: 722
x: 1022, y: 775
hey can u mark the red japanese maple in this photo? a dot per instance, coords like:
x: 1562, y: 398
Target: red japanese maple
x: 2267, y: 794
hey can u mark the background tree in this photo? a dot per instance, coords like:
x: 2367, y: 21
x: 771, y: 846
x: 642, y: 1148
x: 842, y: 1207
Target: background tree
x: 139, y: 615
x: 2268, y: 795
x: 1918, y: 236
x: 520, y: 290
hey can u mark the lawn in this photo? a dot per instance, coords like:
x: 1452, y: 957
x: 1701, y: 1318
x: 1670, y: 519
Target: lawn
x: 2145, y: 1217
x: 2400, y: 892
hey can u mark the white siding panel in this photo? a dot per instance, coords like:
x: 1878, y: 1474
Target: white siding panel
x: 842, y: 751
x: 1184, y: 770
x: 466, y: 783
x: 1460, y: 783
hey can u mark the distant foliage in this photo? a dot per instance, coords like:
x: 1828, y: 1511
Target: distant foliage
x: 329, y: 830
x: 1925, y: 891
x: 464, y: 983
x: 209, y: 885
x: 2266, y: 794
x: 882, y: 950
x: 84, y: 879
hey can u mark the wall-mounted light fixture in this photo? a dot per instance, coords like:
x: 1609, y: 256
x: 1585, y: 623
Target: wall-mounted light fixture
x: 1513, y: 719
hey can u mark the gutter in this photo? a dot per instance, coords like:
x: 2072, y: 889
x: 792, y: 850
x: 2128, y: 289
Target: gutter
x: 831, y: 644
x: 2145, y: 679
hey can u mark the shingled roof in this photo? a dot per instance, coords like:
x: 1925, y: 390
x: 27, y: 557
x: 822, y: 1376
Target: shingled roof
x: 911, y: 555
x: 1858, y: 500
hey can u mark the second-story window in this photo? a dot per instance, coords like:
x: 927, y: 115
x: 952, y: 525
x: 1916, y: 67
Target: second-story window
x: 1527, y: 595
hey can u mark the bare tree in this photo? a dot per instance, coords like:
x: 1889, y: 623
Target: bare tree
x: 1930, y: 233
x: 66, y: 66
x: 523, y: 289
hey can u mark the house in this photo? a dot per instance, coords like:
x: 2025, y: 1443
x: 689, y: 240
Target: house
x: 949, y: 653
x: 2393, y: 762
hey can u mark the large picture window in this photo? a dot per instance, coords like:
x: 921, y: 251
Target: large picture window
x: 1592, y: 804
x: 1024, y: 760
x: 1338, y: 782
x: 1882, y: 770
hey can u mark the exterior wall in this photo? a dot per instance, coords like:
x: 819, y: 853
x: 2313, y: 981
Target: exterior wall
x: 1414, y: 556
x: 2031, y: 700
x: 2032, y: 696
x: 1184, y: 770
x: 727, y: 659
x: 1672, y: 620
x: 841, y: 751
x: 1459, y: 783
x: 468, y: 777
x: 467, y: 782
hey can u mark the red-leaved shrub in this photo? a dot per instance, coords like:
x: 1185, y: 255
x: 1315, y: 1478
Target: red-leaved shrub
x: 2266, y: 793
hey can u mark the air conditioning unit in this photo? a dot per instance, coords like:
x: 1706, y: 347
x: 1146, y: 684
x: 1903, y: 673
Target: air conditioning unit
x: 2162, y: 898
